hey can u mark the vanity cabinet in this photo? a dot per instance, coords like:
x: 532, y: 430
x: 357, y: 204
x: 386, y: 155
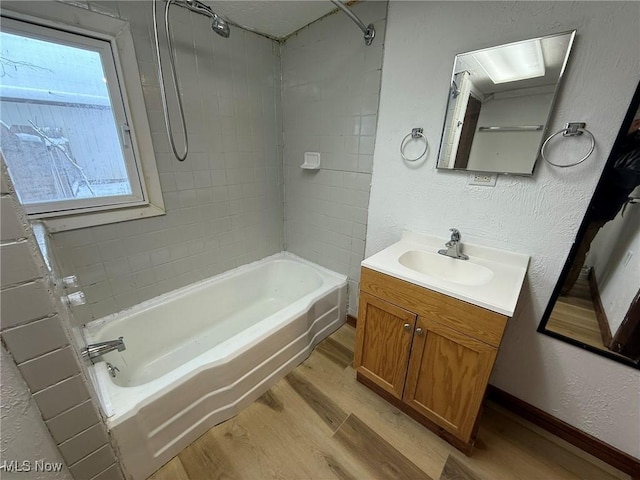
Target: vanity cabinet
x: 431, y: 355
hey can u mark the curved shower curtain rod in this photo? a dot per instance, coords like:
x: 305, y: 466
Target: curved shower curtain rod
x: 368, y: 30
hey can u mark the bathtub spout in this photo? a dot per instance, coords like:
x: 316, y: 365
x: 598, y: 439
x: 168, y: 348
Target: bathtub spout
x: 94, y: 350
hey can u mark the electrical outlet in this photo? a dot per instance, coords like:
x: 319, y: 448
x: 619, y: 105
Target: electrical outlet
x: 627, y: 258
x: 485, y: 179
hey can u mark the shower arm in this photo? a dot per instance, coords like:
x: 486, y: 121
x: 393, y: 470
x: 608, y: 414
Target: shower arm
x: 197, y: 7
x: 368, y: 30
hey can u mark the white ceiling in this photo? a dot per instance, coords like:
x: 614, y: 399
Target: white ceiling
x: 276, y: 18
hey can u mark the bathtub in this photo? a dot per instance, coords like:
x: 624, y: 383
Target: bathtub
x: 197, y: 356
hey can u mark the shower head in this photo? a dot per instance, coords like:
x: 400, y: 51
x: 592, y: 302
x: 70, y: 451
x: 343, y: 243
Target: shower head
x: 220, y: 26
x: 218, y: 23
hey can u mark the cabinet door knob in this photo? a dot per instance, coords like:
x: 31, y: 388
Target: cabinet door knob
x: 407, y: 327
x: 419, y: 331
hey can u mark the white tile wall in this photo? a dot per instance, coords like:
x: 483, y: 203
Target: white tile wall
x: 224, y: 203
x: 331, y: 85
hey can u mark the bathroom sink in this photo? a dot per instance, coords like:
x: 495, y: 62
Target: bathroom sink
x: 463, y: 272
x: 491, y: 278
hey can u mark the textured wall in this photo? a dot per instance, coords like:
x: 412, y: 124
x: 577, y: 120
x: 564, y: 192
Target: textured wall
x: 224, y: 203
x: 538, y: 216
x: 331, y: 85
x: 24, y: 435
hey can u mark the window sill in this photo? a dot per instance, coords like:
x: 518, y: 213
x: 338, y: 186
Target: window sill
x: 83, y: 220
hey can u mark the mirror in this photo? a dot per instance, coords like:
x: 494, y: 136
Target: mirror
x: 499, y: 103
x: 596, y: 303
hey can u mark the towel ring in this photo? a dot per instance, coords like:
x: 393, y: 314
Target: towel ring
x: 571, y: 130
x: 415, y: 133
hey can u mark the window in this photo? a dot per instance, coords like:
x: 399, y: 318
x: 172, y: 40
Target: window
x: 68, y: 136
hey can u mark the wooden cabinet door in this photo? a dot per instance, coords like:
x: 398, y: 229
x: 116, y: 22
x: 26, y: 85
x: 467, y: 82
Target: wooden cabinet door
x: 447, y: 377
x: 383, y: 343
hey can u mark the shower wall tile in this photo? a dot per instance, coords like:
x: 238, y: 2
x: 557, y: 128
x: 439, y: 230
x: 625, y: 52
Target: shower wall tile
x: 15, y: 264
x: 36, y: 338
x: 225, y: 202
x: 12, y: 228
x: 331, y: 84
x: 24, y: 303
x: 111, y: 473
x: 93, y: 464
x: 49, y: 369
x: 73, y: 421
x: 83, y: 443
x: 61, y: 396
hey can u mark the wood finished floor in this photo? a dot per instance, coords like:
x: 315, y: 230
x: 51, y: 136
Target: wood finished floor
x: 320, y: 423
x: 575, y: 317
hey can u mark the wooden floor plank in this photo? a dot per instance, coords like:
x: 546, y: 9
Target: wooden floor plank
x: 269, y: 400
x: 328, y: 411
x: 382, y: 460
x: 338, y: 469
x: 171, y: 471
x: 454, y: 470
x: 345, y: 336
x: 205, y: 459
x: 336, y: 352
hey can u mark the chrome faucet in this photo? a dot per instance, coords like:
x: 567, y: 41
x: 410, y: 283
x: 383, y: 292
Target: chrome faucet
x: 94, y: 350
x: 113, y: 370
x: 453, y: 246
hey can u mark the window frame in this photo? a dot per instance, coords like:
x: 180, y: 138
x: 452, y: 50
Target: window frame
x: 116, y: 33
x: 103, y: 49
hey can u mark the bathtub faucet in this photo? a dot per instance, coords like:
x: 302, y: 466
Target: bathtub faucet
x: 94, y: 350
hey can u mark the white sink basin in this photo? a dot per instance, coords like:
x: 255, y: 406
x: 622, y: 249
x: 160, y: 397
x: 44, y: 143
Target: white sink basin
x: 491, y: 278
x: 463, y: 272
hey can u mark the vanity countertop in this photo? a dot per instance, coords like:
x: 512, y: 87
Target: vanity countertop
x: 497, y: 290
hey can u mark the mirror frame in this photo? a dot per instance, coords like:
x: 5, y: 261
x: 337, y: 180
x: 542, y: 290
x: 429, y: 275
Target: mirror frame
x: 622, y: 133
x: 545, y: 131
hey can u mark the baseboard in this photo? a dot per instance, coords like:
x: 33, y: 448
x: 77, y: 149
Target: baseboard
x: 590, y: 444
x: 601, y: 315
x: 351, y: 320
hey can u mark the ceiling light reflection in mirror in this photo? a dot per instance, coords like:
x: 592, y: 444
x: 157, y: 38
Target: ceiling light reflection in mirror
x: 500, y: 100
x: 511, y: 63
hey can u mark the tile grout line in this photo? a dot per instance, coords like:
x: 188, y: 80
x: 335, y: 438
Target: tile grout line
x: 100, y: 473
x: 78, y: 434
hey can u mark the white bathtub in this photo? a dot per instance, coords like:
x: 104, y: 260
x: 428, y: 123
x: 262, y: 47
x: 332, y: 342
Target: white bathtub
x: 196, y: 356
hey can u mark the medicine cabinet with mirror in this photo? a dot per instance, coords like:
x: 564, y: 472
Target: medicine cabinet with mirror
x: 499, y: 104
x: 596, y: 302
